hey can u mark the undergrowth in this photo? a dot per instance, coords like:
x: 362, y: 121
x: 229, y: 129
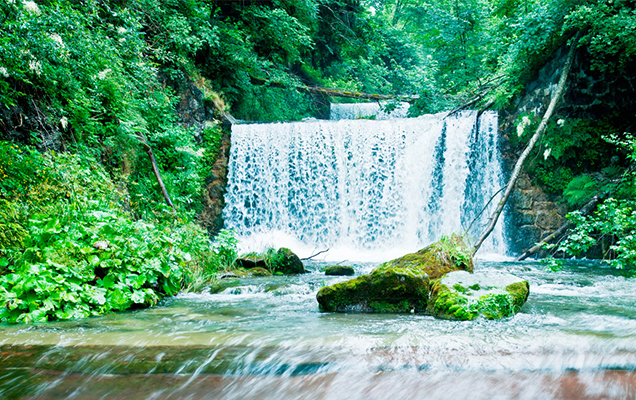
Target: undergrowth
x: 69, y: 249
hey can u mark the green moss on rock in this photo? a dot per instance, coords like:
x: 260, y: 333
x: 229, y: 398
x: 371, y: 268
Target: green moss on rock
x: 460, y: 295
x: 400, y: 285
x: 448, y: 254
x: 260, y: 272
x: 284, y: 261
x: 278, y: 262
x: 339, y: 270
x: 380, y: 291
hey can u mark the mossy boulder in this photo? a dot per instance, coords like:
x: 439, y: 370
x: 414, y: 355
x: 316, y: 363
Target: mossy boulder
x: 277, y: 262
x: 390, y: 291
x: 460, y: 295
x: 400, y: 285
x: 284, y: 261
x: 339, y: 270
x: 448, y: 254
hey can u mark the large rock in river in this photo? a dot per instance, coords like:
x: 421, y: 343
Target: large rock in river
x: 400, y: 285
x: 461, y: 295
x: 282, y: 261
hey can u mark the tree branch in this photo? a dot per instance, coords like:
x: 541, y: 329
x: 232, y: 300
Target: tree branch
x: 155, y: 169
x: 526, y: 152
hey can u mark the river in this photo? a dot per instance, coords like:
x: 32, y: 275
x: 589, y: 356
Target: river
x: 265, y: 338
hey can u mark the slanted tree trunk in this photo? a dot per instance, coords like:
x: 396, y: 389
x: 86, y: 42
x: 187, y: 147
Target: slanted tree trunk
x: 155, y: 169
x: 542, y: 127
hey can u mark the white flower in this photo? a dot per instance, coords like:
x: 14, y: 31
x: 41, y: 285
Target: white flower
x: 35, y: 66
x: 64, y: 122
x: 57, y: 39
x: 103, y: 73
x: 121, y: 30
x: 4, y: 72
x: 546, y: 153
x: 560, y: 122
x: 30, y: 6
x: 525, y: 121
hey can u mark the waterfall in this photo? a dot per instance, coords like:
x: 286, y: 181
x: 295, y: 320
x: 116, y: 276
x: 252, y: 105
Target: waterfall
x: 365, y: 189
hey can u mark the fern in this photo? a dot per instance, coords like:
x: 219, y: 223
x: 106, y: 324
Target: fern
x: 580, y: 190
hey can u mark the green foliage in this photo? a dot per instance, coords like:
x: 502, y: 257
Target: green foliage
x: 20, y: 168
x: 70, y: 251
x: 212, y: 140
x: 225, y: 249
x: 614, y: 219
x: 580, y: 190
x: 552, y: 264
x: 608, y: 28
x: 572, y: 148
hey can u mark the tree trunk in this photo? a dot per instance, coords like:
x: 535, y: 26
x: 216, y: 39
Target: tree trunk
x: 155, y: 169
x: 355, y: 95
x: 337, y: 92
x: 542, y: 127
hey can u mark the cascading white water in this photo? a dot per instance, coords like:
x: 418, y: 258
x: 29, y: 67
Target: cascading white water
x: 340, y: 111
x: 364, y: 189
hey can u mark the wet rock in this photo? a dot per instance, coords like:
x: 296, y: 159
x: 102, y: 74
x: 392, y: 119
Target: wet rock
x: 339, y: 270
x: 400, y: 285
x: 390, y: 290
x: 285, y: 261
x: 251, y: 261
x: 523, y: 199
x: 277, y: 262
x: 549, y: 219
x: 460, y: 295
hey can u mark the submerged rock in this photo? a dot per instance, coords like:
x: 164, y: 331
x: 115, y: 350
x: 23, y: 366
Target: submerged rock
x: 461, y: 295
x: 400, y: 285
x: 339, y: 270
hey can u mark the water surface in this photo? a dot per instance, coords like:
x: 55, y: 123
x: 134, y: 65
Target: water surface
x: 265, y: 338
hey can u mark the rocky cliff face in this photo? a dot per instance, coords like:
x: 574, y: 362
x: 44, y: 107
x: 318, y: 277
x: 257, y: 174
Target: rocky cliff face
x: 589, y: 95
x: 195, y: 113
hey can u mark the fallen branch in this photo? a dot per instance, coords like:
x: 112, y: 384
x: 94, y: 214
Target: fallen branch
x: 155, y: 169
x: 526, y: 152
x: 355, y: 94
x: 310, y: 257
x: 336, y: 92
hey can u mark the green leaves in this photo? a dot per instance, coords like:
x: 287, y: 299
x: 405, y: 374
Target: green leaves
x: 85, y: 256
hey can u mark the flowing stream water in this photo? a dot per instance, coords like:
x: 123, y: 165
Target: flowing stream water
x: 264, y: 338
